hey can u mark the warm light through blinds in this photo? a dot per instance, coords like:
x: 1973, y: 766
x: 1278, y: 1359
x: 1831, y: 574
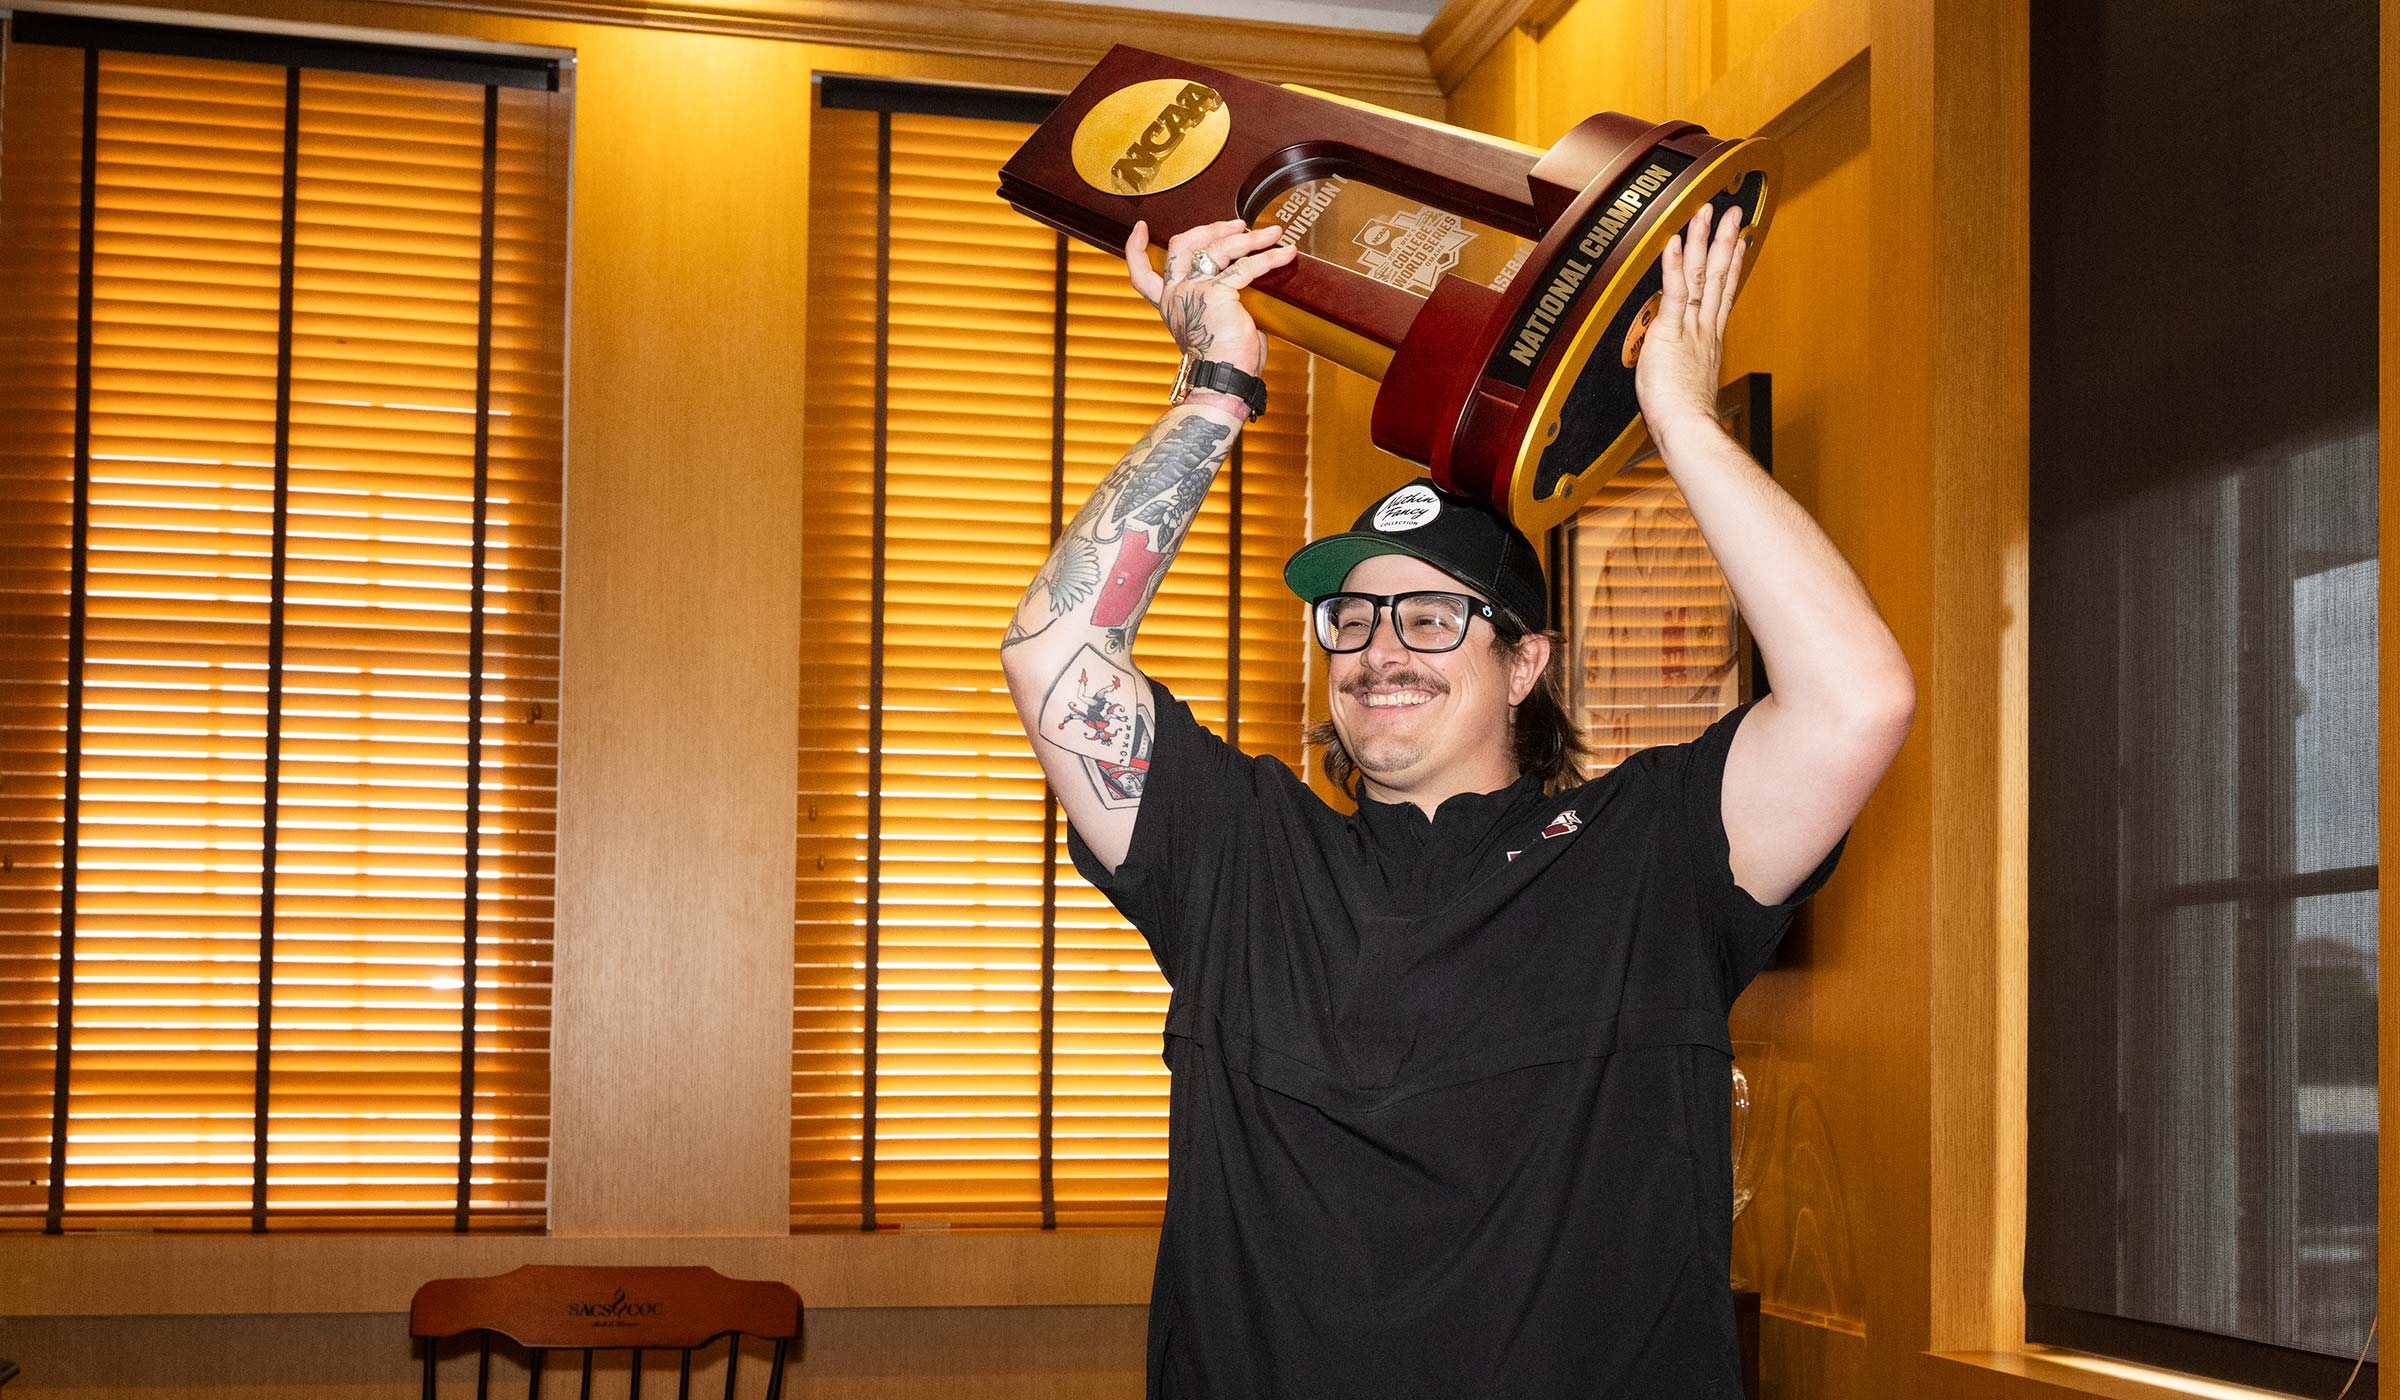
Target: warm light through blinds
x: 280, y: 396
x: 972, y: 375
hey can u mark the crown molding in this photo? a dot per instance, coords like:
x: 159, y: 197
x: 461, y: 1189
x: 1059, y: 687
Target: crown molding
x: 1466, y: 30
x: 1542, y: 14
x: 1390, y: 69
x: 1814, y: 56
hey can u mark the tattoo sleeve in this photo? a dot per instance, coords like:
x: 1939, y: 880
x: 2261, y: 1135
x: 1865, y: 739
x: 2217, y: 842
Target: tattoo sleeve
x: 1108, y: 562
x: 1092, y: 712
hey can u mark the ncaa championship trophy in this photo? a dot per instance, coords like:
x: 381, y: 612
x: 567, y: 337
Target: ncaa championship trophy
x: 1498, y: 292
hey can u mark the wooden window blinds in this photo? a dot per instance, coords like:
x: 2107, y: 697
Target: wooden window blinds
x: 976, y: 1034
x: 280, y: 389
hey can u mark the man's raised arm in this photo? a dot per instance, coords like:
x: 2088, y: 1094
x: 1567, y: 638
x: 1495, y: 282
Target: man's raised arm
x: 1068, y: 654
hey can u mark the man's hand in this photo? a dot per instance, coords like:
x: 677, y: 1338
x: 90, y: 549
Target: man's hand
x: 1683, y: 353
x: 1204, y: 312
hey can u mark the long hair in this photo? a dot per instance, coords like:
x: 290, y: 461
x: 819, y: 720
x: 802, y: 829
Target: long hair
x: 1545, y: 736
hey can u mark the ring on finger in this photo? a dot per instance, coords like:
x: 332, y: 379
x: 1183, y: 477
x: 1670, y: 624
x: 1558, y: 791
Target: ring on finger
x: 1203, y: 265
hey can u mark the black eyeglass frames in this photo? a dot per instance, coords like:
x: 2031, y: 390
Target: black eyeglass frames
x: 1424, y: 621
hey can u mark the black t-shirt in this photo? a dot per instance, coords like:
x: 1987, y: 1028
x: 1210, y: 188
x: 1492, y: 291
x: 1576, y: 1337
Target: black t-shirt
x: 1450, y: 1106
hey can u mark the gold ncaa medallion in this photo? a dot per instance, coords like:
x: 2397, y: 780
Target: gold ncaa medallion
x: 1150, y: 136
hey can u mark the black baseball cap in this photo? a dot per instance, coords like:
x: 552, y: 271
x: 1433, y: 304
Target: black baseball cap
x: 1463, y: 537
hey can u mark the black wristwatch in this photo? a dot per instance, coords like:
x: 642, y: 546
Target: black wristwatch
x: 1221, y: 378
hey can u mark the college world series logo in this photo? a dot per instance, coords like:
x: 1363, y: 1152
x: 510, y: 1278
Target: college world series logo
x: 1413, y: 248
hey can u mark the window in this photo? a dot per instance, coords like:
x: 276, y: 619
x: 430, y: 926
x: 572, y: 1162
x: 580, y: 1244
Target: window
x: 2203, y: 869
x: 976, y: 1034
x: 280, y: 395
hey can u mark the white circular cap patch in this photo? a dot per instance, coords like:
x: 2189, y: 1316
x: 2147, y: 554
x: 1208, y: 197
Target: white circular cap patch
x: 1408, y: 508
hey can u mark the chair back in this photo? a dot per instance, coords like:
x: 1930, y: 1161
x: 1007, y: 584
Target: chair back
x: 596, y: 1308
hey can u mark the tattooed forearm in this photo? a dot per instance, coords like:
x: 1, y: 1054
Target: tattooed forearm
x: 1183, y: 311
x: 1110, y: 559
x: 1172, y: 477
x: 1149, y: 518
x: 1071, y: 575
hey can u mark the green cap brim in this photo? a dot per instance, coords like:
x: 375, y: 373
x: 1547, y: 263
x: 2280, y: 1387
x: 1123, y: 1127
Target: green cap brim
x: 1315, y: 570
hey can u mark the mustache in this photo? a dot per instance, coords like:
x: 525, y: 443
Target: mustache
x: 1405, y: 677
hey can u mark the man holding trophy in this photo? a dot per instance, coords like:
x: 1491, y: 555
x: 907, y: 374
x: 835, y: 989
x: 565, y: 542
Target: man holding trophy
x: 1450, y: 1100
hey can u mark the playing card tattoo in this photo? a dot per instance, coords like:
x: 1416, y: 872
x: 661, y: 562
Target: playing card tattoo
x: 1090, y: 710
x: 1120, y: 784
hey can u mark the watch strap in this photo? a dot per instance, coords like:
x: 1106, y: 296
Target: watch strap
x: 1219, y: 377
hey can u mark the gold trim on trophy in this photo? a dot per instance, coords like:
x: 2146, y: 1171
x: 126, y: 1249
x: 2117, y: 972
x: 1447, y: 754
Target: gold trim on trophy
x: 1427, y: 122
x: 1568, y: 492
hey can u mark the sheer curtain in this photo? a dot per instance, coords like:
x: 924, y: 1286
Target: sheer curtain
x: 2203, y: 823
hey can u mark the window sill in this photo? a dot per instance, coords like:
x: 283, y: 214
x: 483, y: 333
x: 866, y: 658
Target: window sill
x: 119, y: 1275
x: 2060, y: 1374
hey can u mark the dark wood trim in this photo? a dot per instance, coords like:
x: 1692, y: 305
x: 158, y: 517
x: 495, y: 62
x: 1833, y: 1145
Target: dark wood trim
x: 845, y: 92
x: 273, y: 774
x: 286, y: 50
x: 883, y: 369
x: 79, y: 567
x: 1050, y: 808
x: 473, y: 911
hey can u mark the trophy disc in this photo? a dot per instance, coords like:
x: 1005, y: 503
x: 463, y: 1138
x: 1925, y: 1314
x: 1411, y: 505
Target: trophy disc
x: 1578, y: 422
x: 1150, y: 136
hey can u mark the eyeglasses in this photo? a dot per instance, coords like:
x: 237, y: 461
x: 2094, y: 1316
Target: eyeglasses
x: 1346, y: 622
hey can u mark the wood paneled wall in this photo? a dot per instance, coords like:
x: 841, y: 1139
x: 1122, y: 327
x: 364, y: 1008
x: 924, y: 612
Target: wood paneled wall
x: 682, y: 609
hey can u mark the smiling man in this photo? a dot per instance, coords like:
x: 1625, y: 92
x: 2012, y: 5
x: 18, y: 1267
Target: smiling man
x: 1418, y: 716
x: 1449, y: 1105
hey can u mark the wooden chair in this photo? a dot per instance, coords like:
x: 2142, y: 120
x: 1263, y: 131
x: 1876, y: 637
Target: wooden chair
x: 547, y: 1307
